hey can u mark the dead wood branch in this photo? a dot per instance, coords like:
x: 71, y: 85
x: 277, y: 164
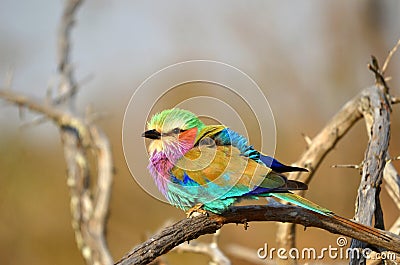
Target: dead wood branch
x: 376, y: 111
x: 68, y: 84
x: 89, y: 199
x: 209, y: 249
x: 325, y: 141
x: 247, y: 254
x: 89, y: 210
x: 191, y: 228
x: 317, y: 149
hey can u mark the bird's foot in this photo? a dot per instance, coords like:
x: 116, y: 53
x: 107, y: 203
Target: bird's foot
x: 196, y: 211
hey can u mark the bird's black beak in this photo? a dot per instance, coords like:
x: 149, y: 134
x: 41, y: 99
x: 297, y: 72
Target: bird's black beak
x: 151, y: 134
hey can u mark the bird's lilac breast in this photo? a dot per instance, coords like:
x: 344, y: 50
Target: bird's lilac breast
x: 159, y: 168
x: 161, y: 163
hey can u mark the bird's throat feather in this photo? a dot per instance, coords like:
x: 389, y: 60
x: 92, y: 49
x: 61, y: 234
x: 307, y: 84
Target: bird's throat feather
x: 165, y: 153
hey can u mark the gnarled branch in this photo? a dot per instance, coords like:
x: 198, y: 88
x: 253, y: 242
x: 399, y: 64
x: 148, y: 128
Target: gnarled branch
x: 375, y: 108
x: 89, y: 210
x: 370, y: 103
x: 80, y: 139
x: 191, y: 228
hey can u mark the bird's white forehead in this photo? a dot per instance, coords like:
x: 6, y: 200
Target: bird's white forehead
x: 167, y: 125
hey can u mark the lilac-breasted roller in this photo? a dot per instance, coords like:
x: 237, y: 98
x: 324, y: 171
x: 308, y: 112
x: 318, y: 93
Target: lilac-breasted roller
x: 211, y: 167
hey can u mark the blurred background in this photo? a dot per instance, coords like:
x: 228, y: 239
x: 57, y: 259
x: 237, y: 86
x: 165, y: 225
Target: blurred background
x: 307, y: 57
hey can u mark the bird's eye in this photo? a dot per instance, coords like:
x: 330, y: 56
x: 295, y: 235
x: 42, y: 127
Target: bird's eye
x: 176, y: 130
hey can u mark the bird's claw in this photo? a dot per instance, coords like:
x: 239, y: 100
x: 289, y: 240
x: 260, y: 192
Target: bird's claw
x: 196, y: 211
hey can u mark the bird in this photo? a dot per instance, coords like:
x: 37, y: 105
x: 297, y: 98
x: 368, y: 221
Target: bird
x: 208, y: 168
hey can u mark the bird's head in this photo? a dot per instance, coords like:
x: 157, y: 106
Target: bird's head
x: 173, y: 131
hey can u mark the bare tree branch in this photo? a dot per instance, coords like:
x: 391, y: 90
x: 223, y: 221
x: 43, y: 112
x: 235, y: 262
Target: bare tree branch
x: 51, y: 112
x: 317, y: 149
x: 395, y: 229
x: 376, y: 112
x: 395, y: 100
x: 89, y: 211
x: 392, y: 181
x: 191, y: 228
x: 68, y: 85
x: 389, y: 57
x: 80, y: 139
x: 247, y: 254
x: 209, y: 249
x: 320, y: 146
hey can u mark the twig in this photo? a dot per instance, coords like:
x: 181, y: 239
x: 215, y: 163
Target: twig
x: 34, y: 122
x: 379, y: 78
x: 68, y: 87
x: 58, y: 116
x: 395, y: 229
x: 8, y: 80
x: 307, y: 139
x: 389, y: 57
x: 395, y: 100
x: 209, y: 249
x: 191, y: 228
x: 247, y: 254
x: 347, y: 166
x: 392, y: 181
x: 392, y: 159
